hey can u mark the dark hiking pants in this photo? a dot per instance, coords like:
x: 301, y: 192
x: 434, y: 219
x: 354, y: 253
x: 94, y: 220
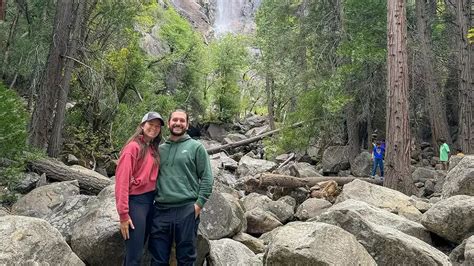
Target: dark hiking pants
x: 141, y: 213
x: 176, y: 224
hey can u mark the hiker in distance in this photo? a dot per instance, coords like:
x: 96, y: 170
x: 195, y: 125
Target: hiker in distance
x: 444, y: 153
x: 135, y: 183
x: 183, y: 188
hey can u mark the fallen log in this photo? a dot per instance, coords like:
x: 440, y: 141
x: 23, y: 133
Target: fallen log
x: 285, y: 181
x: 90, y: 182
x: 225, y: 147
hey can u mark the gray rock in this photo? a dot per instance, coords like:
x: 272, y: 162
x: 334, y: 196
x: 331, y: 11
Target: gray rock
x: 41, y: 201
x: 257, y: 131
x: 4, y: 211
x: 222, y: 216
x: 33, y: 241
x: 253, y: 243
x: 303, y: 170
x: 451, y: 218
x: 255, y: 121
x: 382, y: 197
x: 71, y: 159
x: 254, y: 200
x: 335, y: 159
x: 251, y: 166
x: 463, y: 254
x: 260, y: 221
x: 312, y: 207
x: 422, y: 174
x: 288, y: 200
x: 362, y: 165
x: 230, y: 252
x: 282, y: 210
x: 460, y: 180
x: 28, y: 182
x: 65, y: 216
x: 355, y: 211
x: 453, y: 161
x: 96, y: 237
x: 420, y: 204
x: 310, y: 243
x: 235, y: 137
x: 216, y: 132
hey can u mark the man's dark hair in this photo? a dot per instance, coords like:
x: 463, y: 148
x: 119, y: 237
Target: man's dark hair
x: 180, y: 111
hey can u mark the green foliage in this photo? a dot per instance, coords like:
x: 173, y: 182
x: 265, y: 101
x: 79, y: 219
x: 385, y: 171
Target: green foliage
x: 13, y: 121
x: 229, y: 58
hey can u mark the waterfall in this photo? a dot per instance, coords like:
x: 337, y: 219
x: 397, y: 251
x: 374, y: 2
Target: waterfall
x: 235, y: 16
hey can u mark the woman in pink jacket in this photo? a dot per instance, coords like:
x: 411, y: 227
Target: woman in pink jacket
x: 135, y: 183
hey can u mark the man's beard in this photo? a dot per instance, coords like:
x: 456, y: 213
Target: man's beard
x: 183, y: 131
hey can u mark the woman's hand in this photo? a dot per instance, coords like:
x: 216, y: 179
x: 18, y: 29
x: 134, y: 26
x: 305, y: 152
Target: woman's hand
x: 124, y: 228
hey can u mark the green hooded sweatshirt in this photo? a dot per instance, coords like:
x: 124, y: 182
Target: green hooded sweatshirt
x: 185, y: 174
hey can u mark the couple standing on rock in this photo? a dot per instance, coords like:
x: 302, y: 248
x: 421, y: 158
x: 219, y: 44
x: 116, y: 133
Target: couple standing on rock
x: 160, y: 190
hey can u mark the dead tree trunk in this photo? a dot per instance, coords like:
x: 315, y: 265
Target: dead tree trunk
x: 247, y: 141
x: 434, y: 92
x: 3, y: 9
x: 90, y: 183
x: 466, y: 86
x: 398, y: 175
x: 270, y: 99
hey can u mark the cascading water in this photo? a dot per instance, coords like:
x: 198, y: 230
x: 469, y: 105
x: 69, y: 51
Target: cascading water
x: 234, y: 16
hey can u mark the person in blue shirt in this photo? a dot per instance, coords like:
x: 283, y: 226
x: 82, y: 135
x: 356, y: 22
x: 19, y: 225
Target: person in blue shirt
x: 377, y: 156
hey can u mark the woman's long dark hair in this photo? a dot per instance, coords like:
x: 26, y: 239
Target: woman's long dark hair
x: 154, y: 144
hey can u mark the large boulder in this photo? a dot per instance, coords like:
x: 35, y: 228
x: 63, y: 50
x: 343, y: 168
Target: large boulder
x: 422, y: 174
x: 251, y: 166
x: 312, y: 207
x: 260, y: 221
x: 362, y: 164
x: 222, y: 216
x: 27, y: 183
x: 460, y: 180
x: 335, y: 159
x: 452, y: 218
x: 257, y: 131
x: 382, y: 197
x: 387, y: 246
x: 33, y: 241
x: 355, y: 211
x: 65, y: 216
x: 216, y: 132
x: 310, y: 243
x: 96, y: 237
x: 303, y: 170
x: 41, y: 201
x: 282, y: 210
x: 253, y: 243
x: 254, y: 200
x: 463, y: 254
x: 454, y: 160
x: 230, y: 252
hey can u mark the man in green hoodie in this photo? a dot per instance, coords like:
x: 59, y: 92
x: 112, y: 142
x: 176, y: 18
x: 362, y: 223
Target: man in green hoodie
x: 183, y: 187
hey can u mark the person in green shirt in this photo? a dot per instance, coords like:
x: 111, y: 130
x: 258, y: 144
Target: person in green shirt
x: 444, y: 153
x: 184, y: 185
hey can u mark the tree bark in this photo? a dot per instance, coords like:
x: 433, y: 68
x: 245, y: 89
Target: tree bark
x: 466, y: 88
x: 270, y: 99
x: 55, y: 139
x: 434, y: 91
x: 89, y: 183
x: 43, y: 113
x: 284, y: 181
x: 398, y: 175
x: 3, y: 9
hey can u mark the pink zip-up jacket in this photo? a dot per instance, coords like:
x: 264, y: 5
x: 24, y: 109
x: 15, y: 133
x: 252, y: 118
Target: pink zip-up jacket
x: 133, y: 176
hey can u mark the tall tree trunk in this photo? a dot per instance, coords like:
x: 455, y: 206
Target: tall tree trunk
x: 352, y: 132
x: 270, y: 99
x: 434, y: 91
x: 55, y: 139
x: 43, y: 113
x: 398, y: 128
x: 466, y: 88
x: 3, y: 9
x: 11, y: 35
